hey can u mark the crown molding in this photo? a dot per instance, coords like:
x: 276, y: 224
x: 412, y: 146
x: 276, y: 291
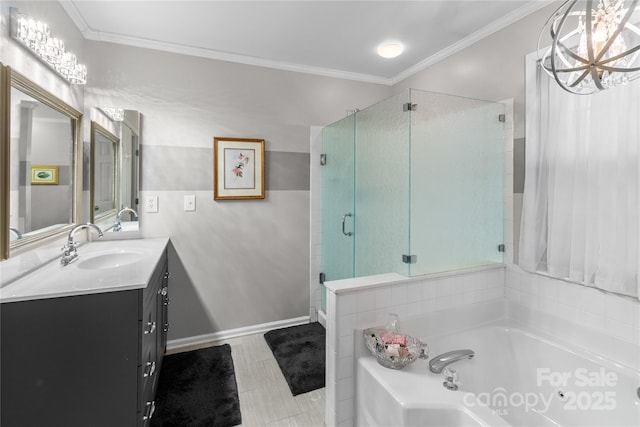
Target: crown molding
x: 231, y: 57
x: 90, y: 34
x: 484, y: 32
x: 75, y: 15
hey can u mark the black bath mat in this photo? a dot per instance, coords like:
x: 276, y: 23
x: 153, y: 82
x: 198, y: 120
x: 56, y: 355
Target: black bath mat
x: 198, y: 388
x: 299, y: 351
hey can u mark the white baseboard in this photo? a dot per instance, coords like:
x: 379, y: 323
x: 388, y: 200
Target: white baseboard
x: 322, y: 318
x: 179, y: 343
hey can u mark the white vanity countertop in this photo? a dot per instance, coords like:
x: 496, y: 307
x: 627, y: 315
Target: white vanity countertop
x: 101, y: 266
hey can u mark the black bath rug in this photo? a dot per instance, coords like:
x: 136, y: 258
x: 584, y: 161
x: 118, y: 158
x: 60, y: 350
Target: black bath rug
x: 300, y: 352
x: 198, y: 388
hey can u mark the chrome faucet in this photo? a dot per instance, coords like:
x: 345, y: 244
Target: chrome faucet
x: 70, y: 250
x: 438, y: 363
x: 118, y: 225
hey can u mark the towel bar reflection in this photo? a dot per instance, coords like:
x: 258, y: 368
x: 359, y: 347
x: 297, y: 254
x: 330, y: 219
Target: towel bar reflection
x: 344, y: 219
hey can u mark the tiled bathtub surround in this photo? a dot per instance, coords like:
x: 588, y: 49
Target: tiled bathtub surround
x: 366, y: 301
x: 604, y: 324
x: 613, y: 319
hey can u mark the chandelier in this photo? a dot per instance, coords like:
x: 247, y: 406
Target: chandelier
x: 595, y: 44
x: 36, y: 36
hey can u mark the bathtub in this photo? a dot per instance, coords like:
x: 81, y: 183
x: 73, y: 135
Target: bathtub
x: 517, y: 378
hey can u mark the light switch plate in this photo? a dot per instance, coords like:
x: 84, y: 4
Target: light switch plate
x: 189, y: 203
x: 151, y: 204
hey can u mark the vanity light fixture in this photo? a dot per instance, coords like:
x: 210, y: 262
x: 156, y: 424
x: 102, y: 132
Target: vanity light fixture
x: 595, y: 44
x: 390, y: 50
x: 36, y: 36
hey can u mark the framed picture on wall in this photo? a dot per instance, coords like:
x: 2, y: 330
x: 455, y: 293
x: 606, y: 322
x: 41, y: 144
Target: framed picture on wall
x: 238, y: 168
x: 42, y: 174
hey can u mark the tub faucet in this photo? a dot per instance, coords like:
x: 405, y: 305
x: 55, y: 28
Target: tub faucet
x: 438, y: 363
x: 118, y: 225
x: 70, y: 251
x: 16, y: 233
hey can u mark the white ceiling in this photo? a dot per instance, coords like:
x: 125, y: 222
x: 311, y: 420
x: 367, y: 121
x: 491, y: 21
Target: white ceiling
x: 333, y: 38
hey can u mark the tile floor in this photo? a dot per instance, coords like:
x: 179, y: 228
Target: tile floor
x: 265, y: 398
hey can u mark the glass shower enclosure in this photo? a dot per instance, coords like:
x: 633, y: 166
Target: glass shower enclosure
x: 413, y: 185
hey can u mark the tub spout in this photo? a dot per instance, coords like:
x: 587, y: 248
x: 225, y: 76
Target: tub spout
x: 438, y: 363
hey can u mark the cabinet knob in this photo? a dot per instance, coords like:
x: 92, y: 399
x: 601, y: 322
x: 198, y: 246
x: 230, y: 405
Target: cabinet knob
x: 151, y: 328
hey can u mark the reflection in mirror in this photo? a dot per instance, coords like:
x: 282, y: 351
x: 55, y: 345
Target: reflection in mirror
x: 41, y: 163
x: 42, y: 138
x: 104, y: 173
x: 126, y: 125
x: 130, y: 143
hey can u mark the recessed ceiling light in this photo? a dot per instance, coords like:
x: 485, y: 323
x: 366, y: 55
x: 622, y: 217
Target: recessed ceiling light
x: 390, y: 50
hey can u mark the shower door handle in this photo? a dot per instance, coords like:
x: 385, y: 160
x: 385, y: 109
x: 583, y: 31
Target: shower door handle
x: 344, y: 219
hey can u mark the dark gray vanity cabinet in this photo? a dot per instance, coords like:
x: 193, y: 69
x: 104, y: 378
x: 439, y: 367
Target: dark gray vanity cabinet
x: 83, y: 360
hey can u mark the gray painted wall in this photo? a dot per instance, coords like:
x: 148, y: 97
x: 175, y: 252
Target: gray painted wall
x: 233, y: 263
x: 241, y: 263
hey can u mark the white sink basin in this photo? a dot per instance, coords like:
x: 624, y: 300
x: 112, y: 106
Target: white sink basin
x: 104, y: 260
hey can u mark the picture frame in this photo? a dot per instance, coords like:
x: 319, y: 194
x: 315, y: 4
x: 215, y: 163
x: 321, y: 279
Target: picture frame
x: 44, y: 175
x: 238, y: 168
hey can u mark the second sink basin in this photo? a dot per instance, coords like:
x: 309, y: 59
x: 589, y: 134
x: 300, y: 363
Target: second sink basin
x: 103, y: 260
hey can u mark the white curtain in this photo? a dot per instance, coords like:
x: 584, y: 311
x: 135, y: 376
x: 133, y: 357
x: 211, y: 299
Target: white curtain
x: 580, y: 216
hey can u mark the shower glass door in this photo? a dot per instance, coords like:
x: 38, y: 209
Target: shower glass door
x: 338, y: 211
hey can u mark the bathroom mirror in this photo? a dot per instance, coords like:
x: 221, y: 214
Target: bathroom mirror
x: 130, y: 159
x: 104, y: 173
x: 115, y: 139
x: 40, y: 195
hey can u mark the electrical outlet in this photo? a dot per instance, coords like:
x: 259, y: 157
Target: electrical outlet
x: 151, y: 204
x: 189, y: 203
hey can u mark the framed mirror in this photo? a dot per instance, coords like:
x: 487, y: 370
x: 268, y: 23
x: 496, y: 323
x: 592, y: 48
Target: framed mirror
x: 41, y: 162
x: 109, y: 125
x: 105, y: 148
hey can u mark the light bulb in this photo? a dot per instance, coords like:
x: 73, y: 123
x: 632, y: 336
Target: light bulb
x: 390, y: 50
